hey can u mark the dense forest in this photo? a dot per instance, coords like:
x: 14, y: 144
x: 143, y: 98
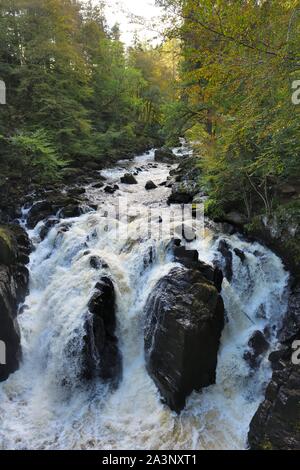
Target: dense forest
x: 74, y: 94
x: 239, y: 61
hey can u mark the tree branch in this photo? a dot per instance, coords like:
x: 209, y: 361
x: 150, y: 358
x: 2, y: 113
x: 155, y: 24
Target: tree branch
x: 236, y: 40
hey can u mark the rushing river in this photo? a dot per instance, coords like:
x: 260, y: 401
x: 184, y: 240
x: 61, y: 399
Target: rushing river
x: 39, y: 411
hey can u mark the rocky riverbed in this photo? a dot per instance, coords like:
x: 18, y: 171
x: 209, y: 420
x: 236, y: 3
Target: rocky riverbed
x: 129, y: 315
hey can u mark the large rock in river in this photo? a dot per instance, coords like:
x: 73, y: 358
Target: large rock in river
x: 185, y: 181
x: 64, y: 205
x: 14, y: 276
x: 150, y: 185
x: 128, y: 178
x: 164, y: 155
x: 102, y: 357
x: 184, y: 321
x: 226, y: 262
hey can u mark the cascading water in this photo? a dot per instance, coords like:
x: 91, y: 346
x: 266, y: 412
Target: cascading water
x: 45, y: 406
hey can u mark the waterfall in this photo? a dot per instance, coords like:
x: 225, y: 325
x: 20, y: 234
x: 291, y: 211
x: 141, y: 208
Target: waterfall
x: 45, y: 406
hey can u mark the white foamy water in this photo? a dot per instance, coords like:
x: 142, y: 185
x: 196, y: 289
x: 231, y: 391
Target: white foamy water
x: 45, y: 406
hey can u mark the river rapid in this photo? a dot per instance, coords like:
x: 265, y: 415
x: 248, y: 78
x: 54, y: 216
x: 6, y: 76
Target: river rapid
x: 44, y: 405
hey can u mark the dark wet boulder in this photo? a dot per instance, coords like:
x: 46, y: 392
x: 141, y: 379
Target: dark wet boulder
x: 98, y: 185
x: 8, y: 250
x: 190, y: 259
x: 98, y: 263
x: 281, y: 233
x: 102, y: 357
x: 240, y: 254
x: 290, y: 328
x: 184, y: 318
x: 39, y: 211
x: 76, y: 191
x: 64, y: 228
x: 182, y: 193
x: 9, y: 334
x: 164, y: 155
x: 111, y: 189
x: 258, y: 345
x: 278, y: 358
x: 149, y: 257
x: 184, y: 255
x: 227, y: 228
x: 93, y: 165
x: 180, y: 198
x: 45, y: 229
x: 72, y: 174
x: 20, y: 246
x: 275, y: 425
x: 185, y: 181
x: 150, y: 185
x: 60, y: 200
x: 55, y: 202
x: 128, y: 178
x: 14, y: 277
x: 226, y: 260
x: 73, y: 210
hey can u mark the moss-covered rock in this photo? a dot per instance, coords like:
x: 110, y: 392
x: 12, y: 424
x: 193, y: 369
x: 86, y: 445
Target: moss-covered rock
x: 7, y: 246
x: 164, y: 155
x: 186, y: 181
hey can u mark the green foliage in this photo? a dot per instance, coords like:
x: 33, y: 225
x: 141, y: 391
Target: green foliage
x: 117, y: 142
x: 36, y: 154
x: 175, y: 121
x: 5, y: 237
x: 73, y: 92
x: 238, y: 63
x: 213, y: 209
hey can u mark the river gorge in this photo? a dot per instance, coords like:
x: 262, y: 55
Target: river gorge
x: 44, y: 404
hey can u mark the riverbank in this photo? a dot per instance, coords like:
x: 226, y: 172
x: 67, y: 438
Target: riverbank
x: 17, y: 192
